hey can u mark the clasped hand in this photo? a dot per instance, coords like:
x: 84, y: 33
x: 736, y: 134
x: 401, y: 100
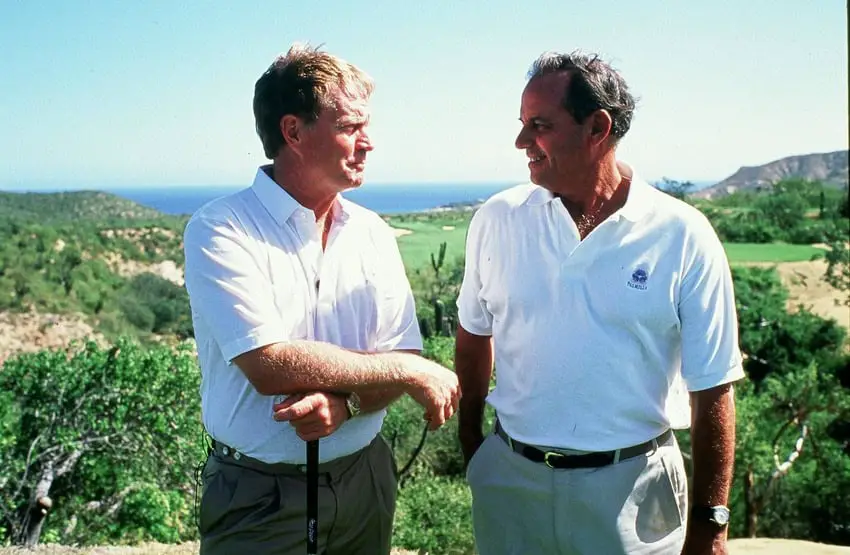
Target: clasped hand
x: 313, y: 415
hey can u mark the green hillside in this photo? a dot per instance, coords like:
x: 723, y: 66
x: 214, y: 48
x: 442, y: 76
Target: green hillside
x: 72, y: 206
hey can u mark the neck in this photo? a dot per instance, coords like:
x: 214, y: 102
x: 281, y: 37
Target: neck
x: 596, y: 187
x: 299, y: 186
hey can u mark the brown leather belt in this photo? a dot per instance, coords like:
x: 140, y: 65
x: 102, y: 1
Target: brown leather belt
x: 554, y: 459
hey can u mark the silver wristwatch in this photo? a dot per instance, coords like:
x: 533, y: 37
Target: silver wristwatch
x: 717, y: 515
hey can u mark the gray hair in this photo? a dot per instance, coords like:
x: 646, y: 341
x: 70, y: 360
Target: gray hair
x: 593, y: 85
x: 302, y: 83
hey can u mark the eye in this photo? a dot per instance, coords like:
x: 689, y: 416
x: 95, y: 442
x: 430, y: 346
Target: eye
x: 351, y: 128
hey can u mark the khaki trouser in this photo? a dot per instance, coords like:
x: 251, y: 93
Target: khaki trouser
x: 252, y: 508
x: 520, y: 507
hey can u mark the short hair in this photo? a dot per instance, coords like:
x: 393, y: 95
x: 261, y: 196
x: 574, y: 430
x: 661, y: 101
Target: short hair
x: 302, y: 83
x: 593, y: 85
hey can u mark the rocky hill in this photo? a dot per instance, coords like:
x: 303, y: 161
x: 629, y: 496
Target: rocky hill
x: 72, y: 206
x: 86, y: 265
x: 830, y: 168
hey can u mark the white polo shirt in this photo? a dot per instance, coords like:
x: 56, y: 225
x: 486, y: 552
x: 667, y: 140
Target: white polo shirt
x: 256, y: 275
x: 597, y: 341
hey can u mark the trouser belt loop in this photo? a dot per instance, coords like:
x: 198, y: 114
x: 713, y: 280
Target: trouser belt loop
x: 616, y: 457
x: 329, y: 471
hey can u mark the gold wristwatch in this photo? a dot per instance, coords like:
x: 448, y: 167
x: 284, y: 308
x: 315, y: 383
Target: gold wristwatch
x: 352, y: 404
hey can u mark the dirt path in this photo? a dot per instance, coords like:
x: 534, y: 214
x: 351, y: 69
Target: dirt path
x: 806, y: 287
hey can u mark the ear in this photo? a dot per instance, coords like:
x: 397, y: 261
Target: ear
x: 290, y: 129
x: 600, y: 126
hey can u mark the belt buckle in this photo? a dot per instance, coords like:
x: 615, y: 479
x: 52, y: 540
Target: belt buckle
x: 553, y: 455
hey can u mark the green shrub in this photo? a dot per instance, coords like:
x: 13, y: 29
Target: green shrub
x: 100, y: 430
x: 433, y: 516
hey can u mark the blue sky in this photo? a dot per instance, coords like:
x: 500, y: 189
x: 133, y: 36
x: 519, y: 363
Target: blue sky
x: 99, y: 94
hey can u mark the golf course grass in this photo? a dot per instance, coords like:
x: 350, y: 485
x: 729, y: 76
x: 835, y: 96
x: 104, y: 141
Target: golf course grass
x: 741, y: 253
x: 427, y: 231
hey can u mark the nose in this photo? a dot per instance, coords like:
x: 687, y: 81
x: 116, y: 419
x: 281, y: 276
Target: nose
x: 522, y: 142
x: 364, y: 142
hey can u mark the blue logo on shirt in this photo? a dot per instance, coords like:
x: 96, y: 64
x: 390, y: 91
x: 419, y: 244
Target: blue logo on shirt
x: 639, y: 279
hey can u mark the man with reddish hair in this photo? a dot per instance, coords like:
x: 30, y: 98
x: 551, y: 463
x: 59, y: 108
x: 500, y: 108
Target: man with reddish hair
x: 305, y: 326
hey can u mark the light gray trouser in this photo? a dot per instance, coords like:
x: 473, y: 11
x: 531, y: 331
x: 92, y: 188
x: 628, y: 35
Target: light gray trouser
x: 636, y: 506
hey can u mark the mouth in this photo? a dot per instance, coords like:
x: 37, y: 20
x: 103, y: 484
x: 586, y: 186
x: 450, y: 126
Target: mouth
x: 535, y: 160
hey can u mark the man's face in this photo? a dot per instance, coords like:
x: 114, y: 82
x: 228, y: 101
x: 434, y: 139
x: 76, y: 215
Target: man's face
x: 555, y: 144
x: 335, y: 145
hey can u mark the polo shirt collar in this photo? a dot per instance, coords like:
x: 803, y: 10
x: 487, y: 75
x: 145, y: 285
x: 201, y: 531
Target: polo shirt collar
x: 637, y: 203
x: 280, y: 205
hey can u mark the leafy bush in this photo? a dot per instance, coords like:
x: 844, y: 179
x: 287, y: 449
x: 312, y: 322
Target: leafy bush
x: 433, y: 516
x: 90, y: 435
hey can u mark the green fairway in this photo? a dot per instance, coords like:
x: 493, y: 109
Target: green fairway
x: 428, y: 230
x: 741, y: 253
x: 427, y: 234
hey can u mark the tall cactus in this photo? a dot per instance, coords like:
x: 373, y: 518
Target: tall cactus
x: 437, y: 263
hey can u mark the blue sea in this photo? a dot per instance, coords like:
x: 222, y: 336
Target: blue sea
x: 384, y: 198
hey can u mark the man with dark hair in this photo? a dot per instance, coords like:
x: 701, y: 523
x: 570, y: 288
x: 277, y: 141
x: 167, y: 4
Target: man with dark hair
x: 305, y: 326
x: 606, y: 305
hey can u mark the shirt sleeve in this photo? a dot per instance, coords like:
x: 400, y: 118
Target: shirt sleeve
x: 398, y: 327
x: 227, y: 289
x: 473, y: 314
x: 709, y: 323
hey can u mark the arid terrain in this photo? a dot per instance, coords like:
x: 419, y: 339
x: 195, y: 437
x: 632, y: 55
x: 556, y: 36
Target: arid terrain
x: 806, y: 286
x: 33, y: 331
x: 759, y: 546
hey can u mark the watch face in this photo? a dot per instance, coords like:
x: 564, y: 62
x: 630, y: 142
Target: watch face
x: 720, y: 515
x: 353, y: 403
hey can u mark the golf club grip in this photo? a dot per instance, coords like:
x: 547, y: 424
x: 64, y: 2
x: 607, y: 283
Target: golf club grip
x: 313, y: 497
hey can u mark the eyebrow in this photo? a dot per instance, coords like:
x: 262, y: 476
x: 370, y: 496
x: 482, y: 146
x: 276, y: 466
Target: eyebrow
x: 352, y: 120
x: 534, y: 119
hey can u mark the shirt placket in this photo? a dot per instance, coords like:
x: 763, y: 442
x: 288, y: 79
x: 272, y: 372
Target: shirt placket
x: 310, y: 254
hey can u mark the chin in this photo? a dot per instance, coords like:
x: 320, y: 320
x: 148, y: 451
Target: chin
x: 348, y: 183
x: 535, y: 178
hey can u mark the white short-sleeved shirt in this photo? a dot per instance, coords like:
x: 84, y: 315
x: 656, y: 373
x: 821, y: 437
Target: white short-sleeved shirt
x: 597, y: 342
x: 256, y: 275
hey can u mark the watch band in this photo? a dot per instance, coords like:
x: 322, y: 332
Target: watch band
x: 717, y: 515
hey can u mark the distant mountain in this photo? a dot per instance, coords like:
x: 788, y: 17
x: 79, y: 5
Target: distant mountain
x: 830, y: 168
x: 72, y: 206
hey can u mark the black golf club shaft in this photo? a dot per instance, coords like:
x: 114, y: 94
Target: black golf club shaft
x: 313, y: 497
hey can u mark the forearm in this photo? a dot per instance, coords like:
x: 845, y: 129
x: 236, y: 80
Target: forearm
x: 474, y: 367
x: 306, y: 366
x: 373, y: 400
x: 712, y: 444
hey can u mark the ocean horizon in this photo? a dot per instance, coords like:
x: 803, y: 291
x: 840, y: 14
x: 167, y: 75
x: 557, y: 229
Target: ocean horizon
x: 383, y: 199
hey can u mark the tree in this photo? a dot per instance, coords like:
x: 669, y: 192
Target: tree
x: 838, y: 267
x: 777, y: 426
x: 87, y: 435
x: 793, y: 414
x: 678, y: 189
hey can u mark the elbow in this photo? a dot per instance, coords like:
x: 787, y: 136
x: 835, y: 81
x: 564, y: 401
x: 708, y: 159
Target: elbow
x: 264, y: 386
x: 265, y: 373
